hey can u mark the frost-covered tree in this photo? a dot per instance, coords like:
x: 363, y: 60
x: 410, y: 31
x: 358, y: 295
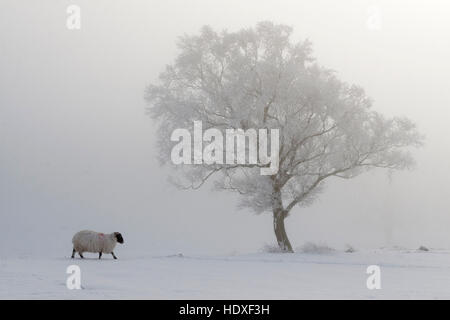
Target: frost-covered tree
x: 259, y: 78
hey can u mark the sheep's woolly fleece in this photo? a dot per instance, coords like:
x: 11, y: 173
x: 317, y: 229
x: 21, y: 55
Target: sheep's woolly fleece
x: 91, y: 241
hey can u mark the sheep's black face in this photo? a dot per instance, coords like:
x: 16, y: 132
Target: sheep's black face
x: 118, y: 237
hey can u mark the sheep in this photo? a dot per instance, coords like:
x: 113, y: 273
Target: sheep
x: 91, y: 241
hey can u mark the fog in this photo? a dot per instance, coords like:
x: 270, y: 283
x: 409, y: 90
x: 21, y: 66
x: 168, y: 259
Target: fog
x: 77, y: 150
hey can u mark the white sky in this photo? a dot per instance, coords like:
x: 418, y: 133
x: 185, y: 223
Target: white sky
x: 77, y: 151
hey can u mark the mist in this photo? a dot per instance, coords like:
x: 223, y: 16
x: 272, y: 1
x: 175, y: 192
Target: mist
x: 77, y: 150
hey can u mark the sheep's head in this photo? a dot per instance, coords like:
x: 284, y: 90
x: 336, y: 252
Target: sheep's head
x: 119, y: 237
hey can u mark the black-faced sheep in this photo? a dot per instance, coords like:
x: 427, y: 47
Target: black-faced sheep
x: 91, y: 241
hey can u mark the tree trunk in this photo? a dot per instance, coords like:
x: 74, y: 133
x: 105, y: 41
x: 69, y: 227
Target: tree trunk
x: 280, y: 231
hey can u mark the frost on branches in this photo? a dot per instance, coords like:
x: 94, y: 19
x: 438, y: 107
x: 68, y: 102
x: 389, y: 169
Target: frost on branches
x: 260, y: 78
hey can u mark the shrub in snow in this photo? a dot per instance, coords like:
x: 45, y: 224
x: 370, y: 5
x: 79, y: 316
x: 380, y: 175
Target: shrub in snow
x: 349, y: 249
x: 271, y: 248
x: 314, y: 248
x: 91, y: 241
x: 177, y: 255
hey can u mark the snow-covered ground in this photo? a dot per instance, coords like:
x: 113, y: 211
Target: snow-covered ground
x: 404, y: 275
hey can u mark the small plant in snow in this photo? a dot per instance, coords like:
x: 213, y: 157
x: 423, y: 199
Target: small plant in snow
x: 310, y: 247
x: 271, y: 248
x: 349, y: 249
x: 177, y: 255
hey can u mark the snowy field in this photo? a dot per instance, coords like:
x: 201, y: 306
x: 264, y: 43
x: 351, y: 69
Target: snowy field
x: 404, y: 275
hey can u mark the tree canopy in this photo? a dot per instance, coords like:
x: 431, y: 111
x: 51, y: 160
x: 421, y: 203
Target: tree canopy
x: 260, y: 78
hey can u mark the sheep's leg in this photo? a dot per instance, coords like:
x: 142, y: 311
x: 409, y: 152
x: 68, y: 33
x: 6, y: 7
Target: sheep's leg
x: 99, y: 255
x: 81, y: 255
x: 114, y: 256
x: 73, y: 253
